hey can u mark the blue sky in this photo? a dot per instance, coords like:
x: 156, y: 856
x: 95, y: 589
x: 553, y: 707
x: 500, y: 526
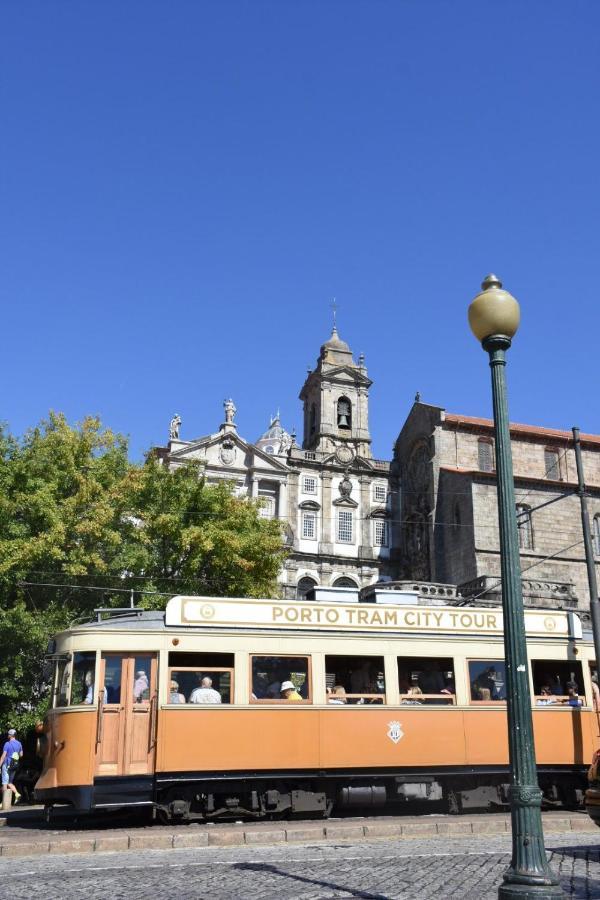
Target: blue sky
x: 185, y: 186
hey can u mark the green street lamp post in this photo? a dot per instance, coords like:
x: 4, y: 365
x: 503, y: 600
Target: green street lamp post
x: 494, y: 318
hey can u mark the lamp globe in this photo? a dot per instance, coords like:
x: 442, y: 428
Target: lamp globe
x: 494, y: 311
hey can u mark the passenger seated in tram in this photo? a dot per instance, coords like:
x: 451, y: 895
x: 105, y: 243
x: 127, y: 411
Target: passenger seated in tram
x: 89, y: 684
x: 487, y: 681
x: 141, y: 688
x: 205, y: 693
x: 409, y: 693
x: 338, y: 695
x: 556, y: 686
x: 362, y: 680
x: 174, y: 695
x: 431, y: 680
x: 287, y: 691
x: 546, y: 697
x: 449, y: 688
x: 573, y: 698
x: 274, y: 689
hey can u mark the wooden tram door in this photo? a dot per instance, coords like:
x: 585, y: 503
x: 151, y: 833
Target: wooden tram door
x: 127, y: 710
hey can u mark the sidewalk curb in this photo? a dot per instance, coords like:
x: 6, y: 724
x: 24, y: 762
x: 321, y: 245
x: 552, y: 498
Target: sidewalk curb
x: 235, y: 836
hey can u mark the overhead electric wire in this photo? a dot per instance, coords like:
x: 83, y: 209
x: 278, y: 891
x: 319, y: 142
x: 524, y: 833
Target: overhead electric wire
x: 538, y: 562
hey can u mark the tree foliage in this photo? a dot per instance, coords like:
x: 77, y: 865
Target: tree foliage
x: 81, y: 526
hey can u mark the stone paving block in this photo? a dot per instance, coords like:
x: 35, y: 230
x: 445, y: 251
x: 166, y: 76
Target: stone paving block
x: 305, y: 834
x: 263, y: 836
x: 555, y: 824
x: 80, y: 845
x: 418, y: 829
x: 33, y: 848
x: 492, y: 826
x: 384, y: 829
x: 450, y: 828
x: 232, y: 838
x: 344, y: 832
x: 114, y: 843
x: 583, y: 824
x: 150, y: 841
x: 3, y: 821
x: 195, y: 839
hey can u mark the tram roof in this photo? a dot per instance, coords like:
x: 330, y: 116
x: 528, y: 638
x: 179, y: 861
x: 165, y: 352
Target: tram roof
x: 189, y: 612
x: 128, y: 619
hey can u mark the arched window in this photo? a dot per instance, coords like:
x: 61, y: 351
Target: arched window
x: 305, y: 585
x: 485, y: 452
x: 596, y: 534
x: 344, y: 581
x: 344, y: 413
x: 312, y: 418
x: 525, y: 527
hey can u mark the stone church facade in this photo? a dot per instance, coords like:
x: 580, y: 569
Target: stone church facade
x: 427, y: 515
x: 449, y: 514
x: 331, y: 495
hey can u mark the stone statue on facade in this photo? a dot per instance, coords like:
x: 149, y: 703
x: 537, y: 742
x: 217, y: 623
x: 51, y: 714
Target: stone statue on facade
x: 230, y: 411
x: 345, y: 486
x: 285, y: 444
x: 174, y: 427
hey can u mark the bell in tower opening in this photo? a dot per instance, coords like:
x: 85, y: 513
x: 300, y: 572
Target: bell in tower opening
x: 344, y: 413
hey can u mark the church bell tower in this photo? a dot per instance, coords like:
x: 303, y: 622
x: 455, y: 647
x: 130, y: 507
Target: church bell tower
x: 336, y: 401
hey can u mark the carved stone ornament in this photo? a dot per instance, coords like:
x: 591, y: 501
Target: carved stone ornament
x: 227, y: 452
x: 345, y: 486
x: 344, y: 455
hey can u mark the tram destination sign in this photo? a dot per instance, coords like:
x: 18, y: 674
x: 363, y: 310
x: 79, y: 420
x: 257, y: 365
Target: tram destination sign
x: 241, y: 613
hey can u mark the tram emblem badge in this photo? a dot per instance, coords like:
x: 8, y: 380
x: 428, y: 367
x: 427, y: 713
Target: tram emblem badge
x: 395, y: 732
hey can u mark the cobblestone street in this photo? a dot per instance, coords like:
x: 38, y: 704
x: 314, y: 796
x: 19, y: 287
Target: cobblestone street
x: 467, y: 867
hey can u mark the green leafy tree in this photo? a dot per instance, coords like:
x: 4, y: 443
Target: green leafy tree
x: 185, y: 536
x: 75, y: 514
x: 60, y: 523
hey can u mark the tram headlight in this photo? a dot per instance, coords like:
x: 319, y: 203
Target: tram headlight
x: 41, y: 747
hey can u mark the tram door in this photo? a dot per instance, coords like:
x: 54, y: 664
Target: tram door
x: 127, y: 708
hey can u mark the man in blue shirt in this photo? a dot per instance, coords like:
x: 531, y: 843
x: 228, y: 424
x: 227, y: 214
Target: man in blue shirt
x: 12, y: 753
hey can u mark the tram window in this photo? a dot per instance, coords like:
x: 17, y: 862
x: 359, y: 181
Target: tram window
x: 140, y: 689
x: 556, y: 682
x: 355, y: 679
x: 82, y: 682
x: 271, y: 673
x: 61, y: 682
x: 200, y: 686
x: 487, y: 680
x: 112, y: 679
x: 426, y: 680
x: 187, y: 671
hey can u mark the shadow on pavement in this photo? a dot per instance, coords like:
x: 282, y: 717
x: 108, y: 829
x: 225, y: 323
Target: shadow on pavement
x: 275, y: 870
x: 62, y: 819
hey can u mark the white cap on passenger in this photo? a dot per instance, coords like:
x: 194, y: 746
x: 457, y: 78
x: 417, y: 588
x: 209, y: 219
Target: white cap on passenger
x: 286, y: 686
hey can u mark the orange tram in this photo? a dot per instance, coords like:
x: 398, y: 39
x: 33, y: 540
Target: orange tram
x: 265, y: 708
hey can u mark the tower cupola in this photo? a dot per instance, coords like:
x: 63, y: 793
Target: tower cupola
x: 336, y: 401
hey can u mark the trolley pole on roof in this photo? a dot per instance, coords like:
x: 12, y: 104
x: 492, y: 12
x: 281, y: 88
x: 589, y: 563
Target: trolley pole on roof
x: 494, y: 318
x: 589, y: 549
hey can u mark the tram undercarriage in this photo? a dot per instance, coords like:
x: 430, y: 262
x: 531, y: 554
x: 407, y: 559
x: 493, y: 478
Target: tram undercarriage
x: 318, y: 795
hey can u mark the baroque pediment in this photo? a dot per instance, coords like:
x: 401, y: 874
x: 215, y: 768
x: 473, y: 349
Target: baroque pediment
x: 228, y: 449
